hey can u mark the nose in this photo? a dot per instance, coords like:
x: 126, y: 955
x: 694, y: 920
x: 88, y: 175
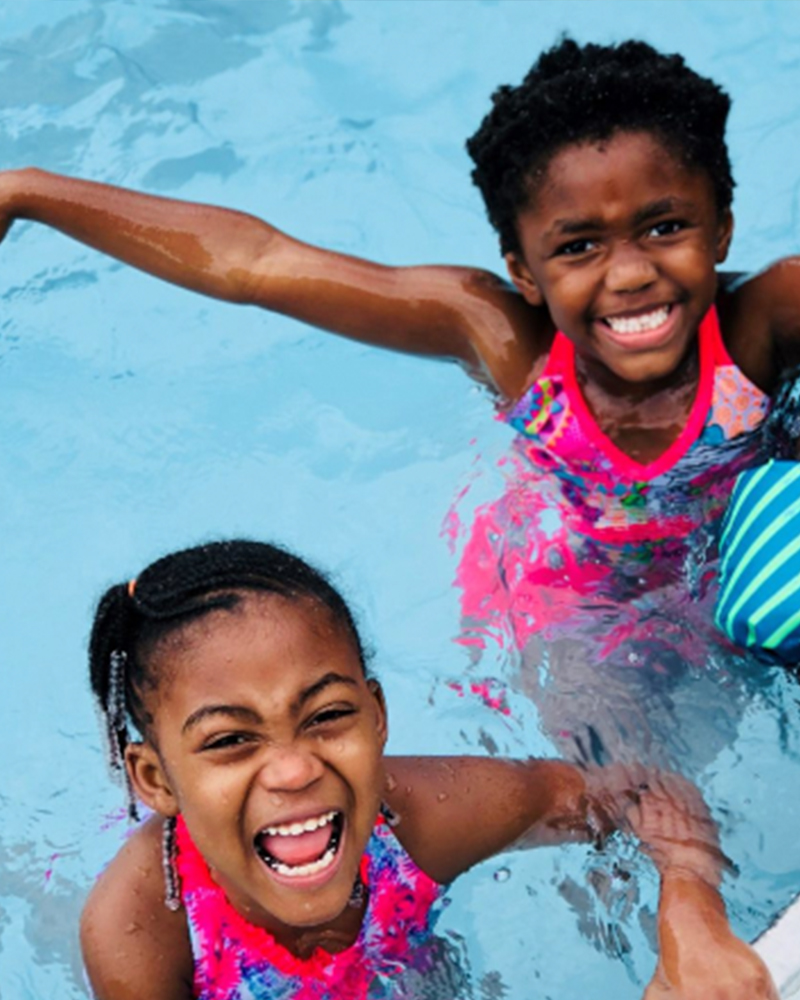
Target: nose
x: 290, y: 769
x: 630, y: 269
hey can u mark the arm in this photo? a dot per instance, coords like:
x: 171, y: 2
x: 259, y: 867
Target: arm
x: 133, y: 947
x: 760, y: 318
x: 700, y: 958
x: 459, y: 313
x: 454, y: 812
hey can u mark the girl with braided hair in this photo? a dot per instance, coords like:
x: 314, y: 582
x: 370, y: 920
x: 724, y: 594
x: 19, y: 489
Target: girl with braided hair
x: 287, y: 858
x: 637, y: 378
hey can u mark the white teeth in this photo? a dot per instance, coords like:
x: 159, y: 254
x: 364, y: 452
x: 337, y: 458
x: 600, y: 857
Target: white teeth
x: 638, y: 324
x: 295, y: 829
x: 310, y: 869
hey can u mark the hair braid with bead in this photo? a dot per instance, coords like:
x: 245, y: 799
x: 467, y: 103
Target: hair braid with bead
x: 132, y: 618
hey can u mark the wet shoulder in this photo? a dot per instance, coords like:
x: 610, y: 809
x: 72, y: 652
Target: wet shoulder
x: 511, y: 338
x: 129, y: 939
x: 760, y: 320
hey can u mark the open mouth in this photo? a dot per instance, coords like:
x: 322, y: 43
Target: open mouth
x: 307, y: 847
x: 643, y: 323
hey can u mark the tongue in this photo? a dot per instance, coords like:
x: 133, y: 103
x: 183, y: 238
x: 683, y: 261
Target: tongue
x: 299, y: 850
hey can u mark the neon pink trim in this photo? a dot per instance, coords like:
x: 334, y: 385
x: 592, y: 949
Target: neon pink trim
x: 711, y: 348
x: 561, y: 357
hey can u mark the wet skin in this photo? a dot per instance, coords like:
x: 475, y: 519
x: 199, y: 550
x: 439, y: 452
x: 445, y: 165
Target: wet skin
x: 621, y: 233
x: 617, y: 229
x: 632, y: 255
x: 263, y: 718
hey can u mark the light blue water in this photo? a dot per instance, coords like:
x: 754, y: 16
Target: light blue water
x: 137, y: 418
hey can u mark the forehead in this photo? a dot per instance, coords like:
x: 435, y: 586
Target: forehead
x: 626, y: 168
x: 265, y: 643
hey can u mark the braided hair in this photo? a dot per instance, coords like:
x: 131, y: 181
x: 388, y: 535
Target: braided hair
x: 133, y: 617
x: 586, y: 93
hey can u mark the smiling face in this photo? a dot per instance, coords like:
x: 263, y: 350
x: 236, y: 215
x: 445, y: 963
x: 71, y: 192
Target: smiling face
x: 268, y: 739
x: 620, y: 241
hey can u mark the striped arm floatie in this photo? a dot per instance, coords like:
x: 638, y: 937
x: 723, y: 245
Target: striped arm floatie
x: 759, y: 596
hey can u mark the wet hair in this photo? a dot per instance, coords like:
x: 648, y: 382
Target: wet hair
x: 133, y: 617
x: 586, y: 93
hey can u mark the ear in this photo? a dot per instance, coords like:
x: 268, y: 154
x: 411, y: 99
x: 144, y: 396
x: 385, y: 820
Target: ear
x: 149, y: 779
x: 523, y: 280
x: 382, y: 718
x: 724, y: 235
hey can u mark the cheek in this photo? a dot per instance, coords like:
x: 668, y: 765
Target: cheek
x: 210, y: 794
x: 569, y: 299
x: 361, y: 762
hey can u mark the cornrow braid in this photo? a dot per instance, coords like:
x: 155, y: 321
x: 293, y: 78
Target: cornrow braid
x: 131, y: 618
x: 585, y: 93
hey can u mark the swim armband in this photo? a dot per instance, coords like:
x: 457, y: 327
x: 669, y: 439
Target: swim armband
x: 759, y: 597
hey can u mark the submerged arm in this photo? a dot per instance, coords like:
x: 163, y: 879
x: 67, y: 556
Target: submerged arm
x: 458, y: 811
x: 457, y: 313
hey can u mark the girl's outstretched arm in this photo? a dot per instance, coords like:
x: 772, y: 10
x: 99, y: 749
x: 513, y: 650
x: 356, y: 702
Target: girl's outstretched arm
x: 459, y: 313
x: 454, y: 812
x: 132, y: 945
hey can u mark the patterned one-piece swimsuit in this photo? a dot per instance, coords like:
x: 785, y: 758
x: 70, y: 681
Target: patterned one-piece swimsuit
x: 235, y: 960
x: 581, y: 525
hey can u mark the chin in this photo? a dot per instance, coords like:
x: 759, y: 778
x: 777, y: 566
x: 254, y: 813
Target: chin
x: 643, y: 370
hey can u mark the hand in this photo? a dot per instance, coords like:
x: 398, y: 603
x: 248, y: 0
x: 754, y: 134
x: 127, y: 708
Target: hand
x: 668, y: 815
x: 730, y: 970
x: 700, y: 957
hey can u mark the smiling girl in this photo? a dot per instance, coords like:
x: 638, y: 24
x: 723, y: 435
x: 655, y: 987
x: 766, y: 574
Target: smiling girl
x: 288, y: 859
x: 637, y: 381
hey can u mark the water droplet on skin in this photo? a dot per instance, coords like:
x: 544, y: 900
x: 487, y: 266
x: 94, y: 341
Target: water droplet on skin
x: 442, y: 797
x: 502, y: 875
x: 391, y: 782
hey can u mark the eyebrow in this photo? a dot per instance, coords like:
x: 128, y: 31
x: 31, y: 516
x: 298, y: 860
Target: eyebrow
x: 325, y: 681
x: 571, y: 227
x: 661, y: 207
x: 208, y: 711
x: 245, y: 714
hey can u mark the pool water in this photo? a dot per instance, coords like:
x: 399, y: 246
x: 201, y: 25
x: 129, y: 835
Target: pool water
x: 137, y: 418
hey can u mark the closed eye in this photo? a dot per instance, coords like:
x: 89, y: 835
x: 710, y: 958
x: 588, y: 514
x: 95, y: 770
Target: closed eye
x: 329, y: 716
x: 226, y: 741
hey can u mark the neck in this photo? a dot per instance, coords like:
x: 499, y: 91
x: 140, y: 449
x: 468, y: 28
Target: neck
x: 332, y: 936
x: 643, y: 419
